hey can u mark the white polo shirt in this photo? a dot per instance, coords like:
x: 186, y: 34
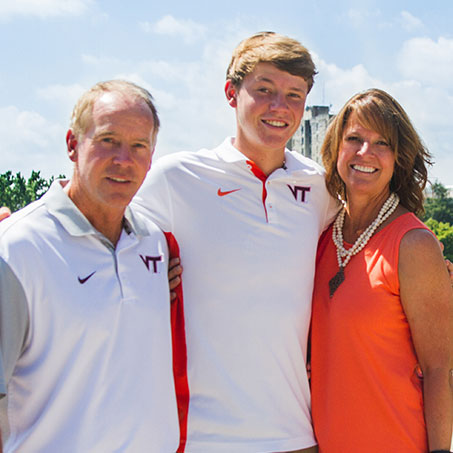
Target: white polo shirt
x: 86, y: 337
x: 247, y: 245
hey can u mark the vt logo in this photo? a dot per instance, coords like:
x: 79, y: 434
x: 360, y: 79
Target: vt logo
x: 296, y: 190
x: 151, y: 259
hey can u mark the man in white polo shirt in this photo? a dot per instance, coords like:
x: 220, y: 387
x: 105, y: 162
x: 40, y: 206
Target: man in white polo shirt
x: 85, y: 337
x: 246, y: 218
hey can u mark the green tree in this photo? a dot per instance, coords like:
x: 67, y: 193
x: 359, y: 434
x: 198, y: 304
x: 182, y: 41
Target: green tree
x: 440, y: 206
x: 444, y: 232
x: 16, y: 191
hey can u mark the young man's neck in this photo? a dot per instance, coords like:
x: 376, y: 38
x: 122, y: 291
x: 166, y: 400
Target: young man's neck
x: 268, y: 160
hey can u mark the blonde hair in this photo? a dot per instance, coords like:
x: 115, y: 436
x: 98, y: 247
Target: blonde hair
x: 268, y: 47
x: 81, y: 114
x: 377, y: 110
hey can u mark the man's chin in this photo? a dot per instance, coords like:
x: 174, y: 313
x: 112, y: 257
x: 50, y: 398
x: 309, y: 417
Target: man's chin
x: 119, y: 200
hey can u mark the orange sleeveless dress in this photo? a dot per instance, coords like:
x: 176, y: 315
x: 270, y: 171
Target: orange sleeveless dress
x: 366, y: 392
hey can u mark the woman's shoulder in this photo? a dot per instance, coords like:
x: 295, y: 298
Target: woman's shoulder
x: 420, y: 239
x: 401, y: 222
x: 420, y: 250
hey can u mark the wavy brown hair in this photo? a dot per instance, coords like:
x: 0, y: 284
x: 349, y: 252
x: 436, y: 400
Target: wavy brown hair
x: 377, y: 110
x: 284, y: 53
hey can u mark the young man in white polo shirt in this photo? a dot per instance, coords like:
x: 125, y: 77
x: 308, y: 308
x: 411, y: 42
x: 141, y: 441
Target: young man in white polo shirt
x: 85, y: 337
x: 246, y: 218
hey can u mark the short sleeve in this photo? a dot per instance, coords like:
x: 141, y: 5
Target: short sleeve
x: 13, y: 322
x: 333, y: 208
x: 153, y: 198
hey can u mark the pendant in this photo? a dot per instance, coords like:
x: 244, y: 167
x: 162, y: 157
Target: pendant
x: 336, y: 281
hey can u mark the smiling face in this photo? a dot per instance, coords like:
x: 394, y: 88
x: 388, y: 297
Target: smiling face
x: 112, y: 156
x: 365, y: 161
x: 269, y: 107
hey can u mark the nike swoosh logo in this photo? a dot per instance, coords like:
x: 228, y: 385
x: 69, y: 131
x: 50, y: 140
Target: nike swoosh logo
x: 84, y: 280
x: 220, y: 193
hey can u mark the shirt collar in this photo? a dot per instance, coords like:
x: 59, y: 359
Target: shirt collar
x: 228, y: 153
x: 63, y: 208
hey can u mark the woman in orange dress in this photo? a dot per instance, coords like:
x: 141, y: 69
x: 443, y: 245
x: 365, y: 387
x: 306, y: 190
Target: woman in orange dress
x: 382, y: 344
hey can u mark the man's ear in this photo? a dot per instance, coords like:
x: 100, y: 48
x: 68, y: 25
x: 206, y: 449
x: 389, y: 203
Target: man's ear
x: 71, y: 144
x: 231, y: 93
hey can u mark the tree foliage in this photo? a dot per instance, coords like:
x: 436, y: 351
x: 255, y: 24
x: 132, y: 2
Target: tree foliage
x: 444, y: 232
x: 440, y: 206
x: 439, y: 217
x: 16, y: 191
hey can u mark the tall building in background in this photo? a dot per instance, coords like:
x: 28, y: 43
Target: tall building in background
x: 309, y: 137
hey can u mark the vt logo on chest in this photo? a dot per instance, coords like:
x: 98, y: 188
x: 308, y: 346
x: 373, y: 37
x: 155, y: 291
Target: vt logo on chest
x: 151, y: 262
x: 299, y: 193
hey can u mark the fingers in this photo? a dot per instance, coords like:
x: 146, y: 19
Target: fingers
x: 4, y: 213
x: 174, y: 272
x: 174, y: 282
x: 450, y: 268
x: 174, y: 269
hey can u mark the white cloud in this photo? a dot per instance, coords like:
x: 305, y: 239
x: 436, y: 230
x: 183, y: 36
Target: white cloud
x: 429, y: 108
x: 43, y: 8
x: 39, y: 143
x: 61, y: 99
x: 428, y: 61
x: 169, y: 71
x: 23, y: 126
x: 359, y: 18
x: 335, y: 85
x: 189, y: 30
x: 356, y: 16
x: 364, y: 18
x: 191, y: 101
x: 99, y: 61
x: 61, y: 93
x: 409, y: 22
x: 162, y: 98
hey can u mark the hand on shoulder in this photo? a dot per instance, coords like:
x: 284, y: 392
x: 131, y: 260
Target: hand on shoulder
x: 4, y: 213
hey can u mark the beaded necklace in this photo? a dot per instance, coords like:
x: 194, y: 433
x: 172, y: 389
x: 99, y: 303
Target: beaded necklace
x: 343, y: 255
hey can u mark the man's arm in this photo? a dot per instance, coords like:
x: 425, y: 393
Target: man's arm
x: 13, y: 325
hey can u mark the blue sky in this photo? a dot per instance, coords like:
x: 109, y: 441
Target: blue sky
x: 52, y: 50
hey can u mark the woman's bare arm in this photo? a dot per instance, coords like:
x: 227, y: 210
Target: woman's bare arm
x: 427, y: 298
